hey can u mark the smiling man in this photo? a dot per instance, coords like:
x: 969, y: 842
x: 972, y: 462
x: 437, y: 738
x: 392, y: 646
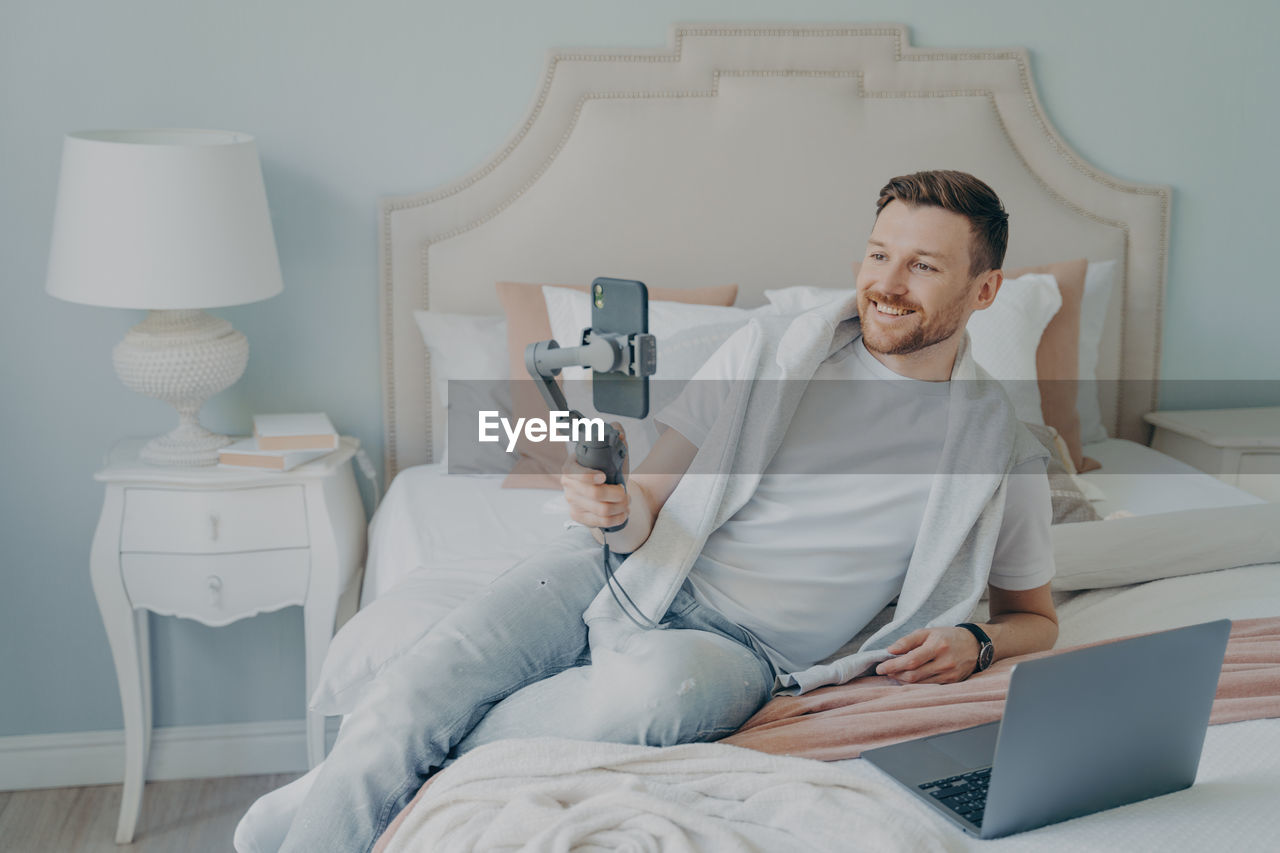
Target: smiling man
x: 933, y: 258
x: 756, y: 581
x: 826, y: 539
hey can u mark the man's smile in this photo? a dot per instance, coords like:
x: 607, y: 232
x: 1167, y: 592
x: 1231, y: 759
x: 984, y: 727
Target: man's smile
x: 890, y: 311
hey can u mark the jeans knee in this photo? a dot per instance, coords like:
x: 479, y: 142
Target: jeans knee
x: 674, y: 687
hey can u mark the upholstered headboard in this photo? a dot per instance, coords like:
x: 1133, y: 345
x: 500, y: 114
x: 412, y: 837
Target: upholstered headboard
x: 754, y: 156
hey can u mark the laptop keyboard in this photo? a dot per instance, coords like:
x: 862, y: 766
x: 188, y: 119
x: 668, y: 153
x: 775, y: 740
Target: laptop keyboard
x: 966, y: 794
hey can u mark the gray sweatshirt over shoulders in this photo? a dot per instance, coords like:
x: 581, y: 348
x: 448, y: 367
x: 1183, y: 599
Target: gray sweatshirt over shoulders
x: 952, y: 556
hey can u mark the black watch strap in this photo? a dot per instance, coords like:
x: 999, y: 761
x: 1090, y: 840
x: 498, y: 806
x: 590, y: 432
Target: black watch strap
x: 986, y: 651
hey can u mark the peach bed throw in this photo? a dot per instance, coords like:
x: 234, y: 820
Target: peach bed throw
x: 842, y: 721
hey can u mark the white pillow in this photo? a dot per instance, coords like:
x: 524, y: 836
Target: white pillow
x: 470, y: 347
x: 1005, y: 337
x: 1098, y: 283
x: 681, y: 351
x: 799, y: 299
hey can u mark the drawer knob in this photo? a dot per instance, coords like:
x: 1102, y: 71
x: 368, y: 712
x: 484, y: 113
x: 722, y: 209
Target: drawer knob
x: 214, y: 521
x: 215, y: 590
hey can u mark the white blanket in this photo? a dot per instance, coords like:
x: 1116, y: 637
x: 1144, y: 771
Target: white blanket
x: 556, y: 795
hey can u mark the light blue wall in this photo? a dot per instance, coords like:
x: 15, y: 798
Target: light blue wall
x: 351, y: 101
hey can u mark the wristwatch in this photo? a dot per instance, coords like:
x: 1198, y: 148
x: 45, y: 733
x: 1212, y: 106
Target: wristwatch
x: 986, y: 651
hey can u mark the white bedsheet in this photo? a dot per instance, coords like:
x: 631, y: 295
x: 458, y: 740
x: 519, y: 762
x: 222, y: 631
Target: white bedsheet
x: 1143, y: 481
x: 463, y: 529
x: 416, y: 529
x: 435, y: 541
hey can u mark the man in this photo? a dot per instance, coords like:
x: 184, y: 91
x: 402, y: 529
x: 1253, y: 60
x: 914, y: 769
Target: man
x: 773, y: 581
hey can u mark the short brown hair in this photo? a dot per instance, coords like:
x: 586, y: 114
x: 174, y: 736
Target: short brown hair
x: 962, y: 193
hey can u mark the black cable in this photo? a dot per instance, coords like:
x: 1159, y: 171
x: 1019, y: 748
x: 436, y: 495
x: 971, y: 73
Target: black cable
x: 610, y: 581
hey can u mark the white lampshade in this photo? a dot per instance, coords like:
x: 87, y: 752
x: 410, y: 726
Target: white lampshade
x: 162, y: 219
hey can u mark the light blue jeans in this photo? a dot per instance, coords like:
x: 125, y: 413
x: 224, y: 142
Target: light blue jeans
x: 514, y: 662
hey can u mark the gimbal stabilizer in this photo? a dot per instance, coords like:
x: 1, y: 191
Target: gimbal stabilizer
x: 602, y: 352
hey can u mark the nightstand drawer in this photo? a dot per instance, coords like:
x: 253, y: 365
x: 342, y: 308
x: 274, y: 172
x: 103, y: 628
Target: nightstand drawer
x: 216, y: 589
x: 175, y: 521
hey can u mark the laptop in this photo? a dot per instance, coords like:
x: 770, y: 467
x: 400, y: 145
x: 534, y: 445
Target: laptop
x: 1083, y: 731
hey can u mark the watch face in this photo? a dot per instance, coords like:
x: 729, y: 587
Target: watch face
x: 986, y: 656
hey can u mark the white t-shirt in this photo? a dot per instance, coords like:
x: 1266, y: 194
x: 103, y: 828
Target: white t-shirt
x: 824, y: 542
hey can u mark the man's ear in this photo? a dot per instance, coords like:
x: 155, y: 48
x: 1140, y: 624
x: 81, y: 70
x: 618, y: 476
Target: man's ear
x: 988, y: 288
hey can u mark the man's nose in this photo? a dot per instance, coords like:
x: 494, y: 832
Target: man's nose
x: 894, y: 279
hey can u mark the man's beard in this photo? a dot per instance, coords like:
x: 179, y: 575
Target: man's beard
x: 913, y: 339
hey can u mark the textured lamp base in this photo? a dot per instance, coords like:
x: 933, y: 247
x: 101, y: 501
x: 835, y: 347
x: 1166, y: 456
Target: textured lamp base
x: 188, y: 444
x: 184, y: 358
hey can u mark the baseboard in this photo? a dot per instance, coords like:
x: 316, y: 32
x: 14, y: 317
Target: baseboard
x: 73, y: 759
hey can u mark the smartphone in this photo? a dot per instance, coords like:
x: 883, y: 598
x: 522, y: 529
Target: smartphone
x: 620, y: 306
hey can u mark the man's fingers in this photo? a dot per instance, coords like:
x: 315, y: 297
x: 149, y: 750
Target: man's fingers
x: 934, y: 671
x: 592, y: 503
x: 583, y: 508
x: 605, y: 520
x: 912, y: 660
x: 573, y: 469
x: 611, y: 494
x: 910, y: 641
x: 585, y: 487
x: 914, y: 640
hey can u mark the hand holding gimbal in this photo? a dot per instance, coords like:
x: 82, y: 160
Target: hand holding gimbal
x: 622, y: 356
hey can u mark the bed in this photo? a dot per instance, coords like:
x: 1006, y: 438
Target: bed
x: 751, y: 156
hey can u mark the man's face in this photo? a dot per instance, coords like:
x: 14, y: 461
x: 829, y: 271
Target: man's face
x: 914, y: 287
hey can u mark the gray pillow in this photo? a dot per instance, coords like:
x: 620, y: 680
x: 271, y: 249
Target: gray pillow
x: 1069, y: 503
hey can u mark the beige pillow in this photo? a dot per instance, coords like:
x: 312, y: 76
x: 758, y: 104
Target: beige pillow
x: 1057, y: 357
x: 1069, y: 503
x: 527, y: 322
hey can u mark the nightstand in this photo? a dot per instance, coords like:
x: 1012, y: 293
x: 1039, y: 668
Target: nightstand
x: 1238, y: 446
x: 216, y: 545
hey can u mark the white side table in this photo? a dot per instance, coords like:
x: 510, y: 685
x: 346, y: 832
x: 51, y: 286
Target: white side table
x: 217, y: 545
x: 1238, y: 446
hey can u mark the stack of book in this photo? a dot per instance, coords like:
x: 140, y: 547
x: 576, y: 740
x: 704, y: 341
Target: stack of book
x: 282, y: 442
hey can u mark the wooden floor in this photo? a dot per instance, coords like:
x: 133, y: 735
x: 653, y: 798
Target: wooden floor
x: 189, y: 816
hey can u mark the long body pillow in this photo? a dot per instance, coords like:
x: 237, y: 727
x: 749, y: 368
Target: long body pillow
x: 1099, y: 554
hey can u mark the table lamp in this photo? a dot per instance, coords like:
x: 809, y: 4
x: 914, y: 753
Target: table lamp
x: 173, y: 222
